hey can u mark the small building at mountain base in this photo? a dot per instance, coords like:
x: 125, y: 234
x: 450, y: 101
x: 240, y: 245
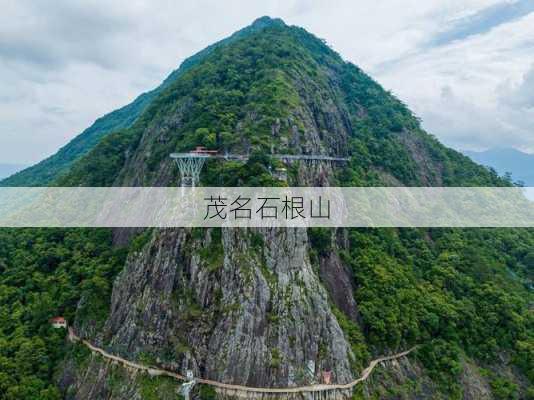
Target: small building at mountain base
x: 58, y: 322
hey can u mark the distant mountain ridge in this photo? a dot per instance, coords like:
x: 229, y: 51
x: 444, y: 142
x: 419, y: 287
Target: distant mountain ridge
x: 503, y: 160
x: 9, y: 169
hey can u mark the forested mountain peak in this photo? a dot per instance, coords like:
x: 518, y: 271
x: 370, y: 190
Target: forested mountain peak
x: 276, y: 89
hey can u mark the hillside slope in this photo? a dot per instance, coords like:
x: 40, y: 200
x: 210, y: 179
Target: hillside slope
x: 58, y: 164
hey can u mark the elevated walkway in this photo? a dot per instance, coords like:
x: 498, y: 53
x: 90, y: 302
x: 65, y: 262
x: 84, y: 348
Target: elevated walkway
x: 242, y: 391
x: 190, y: 164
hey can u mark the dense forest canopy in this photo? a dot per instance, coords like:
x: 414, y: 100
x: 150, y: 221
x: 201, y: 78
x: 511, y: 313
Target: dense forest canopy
x: 45, y: 273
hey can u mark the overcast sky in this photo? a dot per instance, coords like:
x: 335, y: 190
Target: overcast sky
x: 466, y: 67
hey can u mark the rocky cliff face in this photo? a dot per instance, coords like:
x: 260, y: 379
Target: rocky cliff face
x: 236, y: 306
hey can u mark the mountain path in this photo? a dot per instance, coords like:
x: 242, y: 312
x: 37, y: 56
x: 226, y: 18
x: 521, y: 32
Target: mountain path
x: 152, y: 371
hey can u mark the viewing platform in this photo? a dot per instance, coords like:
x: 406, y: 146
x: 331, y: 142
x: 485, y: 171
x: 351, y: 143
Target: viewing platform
x: 191, y: 163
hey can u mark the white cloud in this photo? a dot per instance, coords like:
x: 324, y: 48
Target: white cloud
x: 468, y: 93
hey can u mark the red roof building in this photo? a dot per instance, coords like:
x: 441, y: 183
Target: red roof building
x: 203, y: 150
x: 58, y: 322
